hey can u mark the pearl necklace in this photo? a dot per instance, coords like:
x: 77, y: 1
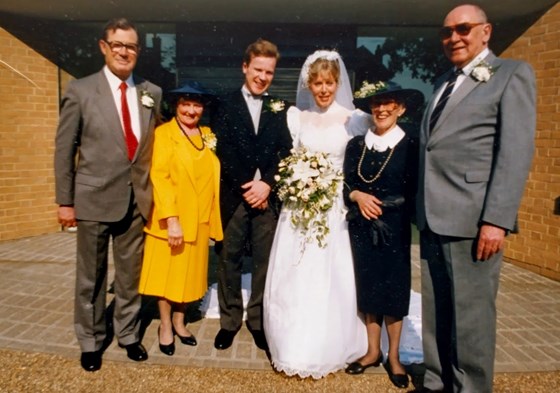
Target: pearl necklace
x: 379, y: 172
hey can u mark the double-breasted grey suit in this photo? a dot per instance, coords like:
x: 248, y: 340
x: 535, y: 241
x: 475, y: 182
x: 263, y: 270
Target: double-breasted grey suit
x: 111, y: 196
x: 473, y: 168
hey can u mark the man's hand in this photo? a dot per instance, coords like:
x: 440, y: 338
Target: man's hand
x: 370, y: 206
x: 256, y: 193
x: 174, y: 232
x: 67, y: 216
x: 263, y: 206
x: 490, y: 241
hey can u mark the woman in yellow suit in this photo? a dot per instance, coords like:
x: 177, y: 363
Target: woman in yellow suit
x: 185, y: 174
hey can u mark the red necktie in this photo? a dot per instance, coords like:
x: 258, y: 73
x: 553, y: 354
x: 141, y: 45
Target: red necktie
x: 131, y: 141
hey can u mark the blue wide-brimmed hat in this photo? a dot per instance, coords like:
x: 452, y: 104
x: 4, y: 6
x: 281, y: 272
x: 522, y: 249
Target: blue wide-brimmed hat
x: 194, y: 90
x: 368, y: 91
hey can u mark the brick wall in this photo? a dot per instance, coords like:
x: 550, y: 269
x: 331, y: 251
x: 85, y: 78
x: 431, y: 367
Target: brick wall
x: 537, y: 246
x: 28, y: 119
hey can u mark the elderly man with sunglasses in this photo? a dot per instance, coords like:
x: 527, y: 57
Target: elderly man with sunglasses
x: 476, y: 147
x: 102, y: 160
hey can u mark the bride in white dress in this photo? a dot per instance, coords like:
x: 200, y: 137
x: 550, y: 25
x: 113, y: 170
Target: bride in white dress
x: 311, y: 320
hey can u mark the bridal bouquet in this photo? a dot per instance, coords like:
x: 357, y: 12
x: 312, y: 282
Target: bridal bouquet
x: 307, y: 184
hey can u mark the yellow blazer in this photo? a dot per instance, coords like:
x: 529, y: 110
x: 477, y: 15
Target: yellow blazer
x: 172, y: 174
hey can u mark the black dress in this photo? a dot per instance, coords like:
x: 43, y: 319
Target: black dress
x: 381, y: 248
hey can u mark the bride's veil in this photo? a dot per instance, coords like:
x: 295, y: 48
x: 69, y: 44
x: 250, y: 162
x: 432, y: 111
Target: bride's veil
x: 304, y: 98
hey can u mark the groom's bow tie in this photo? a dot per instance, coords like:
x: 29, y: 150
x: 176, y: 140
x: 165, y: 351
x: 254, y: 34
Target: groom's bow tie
x: 253, y: 96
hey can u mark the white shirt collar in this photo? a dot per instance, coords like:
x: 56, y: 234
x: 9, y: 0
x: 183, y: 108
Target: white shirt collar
x: 386, y: 141
x: 114, y: 80
x: 474, y: 62
x: 248, y: 95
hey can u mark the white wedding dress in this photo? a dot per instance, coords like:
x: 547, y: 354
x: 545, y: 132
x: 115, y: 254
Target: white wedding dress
x: 310, y: 316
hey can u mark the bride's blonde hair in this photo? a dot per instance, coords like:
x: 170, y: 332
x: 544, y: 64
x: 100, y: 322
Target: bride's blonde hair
x: 323, y: 65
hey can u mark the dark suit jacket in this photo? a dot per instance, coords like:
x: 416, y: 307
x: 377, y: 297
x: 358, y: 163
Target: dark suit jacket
x: 241, y: 151
x: 92, y: 169
x: 474, y: 164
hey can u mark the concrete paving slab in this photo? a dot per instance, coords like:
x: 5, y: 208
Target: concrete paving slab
x: 36, y: 311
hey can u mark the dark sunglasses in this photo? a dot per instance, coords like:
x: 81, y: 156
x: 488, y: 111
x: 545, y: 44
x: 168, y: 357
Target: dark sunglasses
x: 461, y: 29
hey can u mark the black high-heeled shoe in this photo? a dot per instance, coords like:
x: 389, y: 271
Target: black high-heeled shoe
x: 186, y: 340
x: 399, y: 380
x: 358, y: 368
x: 168, y: 349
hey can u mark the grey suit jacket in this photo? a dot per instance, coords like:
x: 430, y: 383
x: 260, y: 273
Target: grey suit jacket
x: 92, y: 170
x: 474, y: 165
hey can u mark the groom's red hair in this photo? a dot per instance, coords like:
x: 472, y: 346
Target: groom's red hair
x: 260, y: 47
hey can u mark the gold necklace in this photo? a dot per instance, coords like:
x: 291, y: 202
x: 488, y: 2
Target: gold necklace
x: 190, y: 140
x: 379, y: 172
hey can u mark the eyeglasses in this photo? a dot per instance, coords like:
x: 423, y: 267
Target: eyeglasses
x: 384, y: 105
x: 116, y: 46
x: 462, y: 29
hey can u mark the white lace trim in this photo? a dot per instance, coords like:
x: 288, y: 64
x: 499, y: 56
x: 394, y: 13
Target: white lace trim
x: 315, y: 374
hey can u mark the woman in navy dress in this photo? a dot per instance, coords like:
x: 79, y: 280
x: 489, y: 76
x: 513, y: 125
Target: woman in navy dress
x: 380, y: 174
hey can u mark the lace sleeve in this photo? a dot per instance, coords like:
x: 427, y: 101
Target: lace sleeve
x: 294, y: 124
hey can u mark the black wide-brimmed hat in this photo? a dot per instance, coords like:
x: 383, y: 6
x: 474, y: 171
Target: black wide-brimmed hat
x: 192, y: 89
x: 368, y: 91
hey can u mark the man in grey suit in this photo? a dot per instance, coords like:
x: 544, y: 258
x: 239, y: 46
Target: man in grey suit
x: 102, y: 158
x: 476, y: 146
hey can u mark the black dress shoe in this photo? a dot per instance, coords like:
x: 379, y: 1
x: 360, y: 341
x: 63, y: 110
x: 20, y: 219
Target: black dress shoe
x: 260, y: 339
x: 168, y: 349
x: 135, y: 352
x: 399, y: 380
x: 186, y: 340
x: 224, y: 339
x: 357, y: 367
x: 91, y: 361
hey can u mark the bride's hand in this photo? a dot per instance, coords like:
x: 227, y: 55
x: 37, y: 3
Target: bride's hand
x: 257, y: 193
x: 369, y: 205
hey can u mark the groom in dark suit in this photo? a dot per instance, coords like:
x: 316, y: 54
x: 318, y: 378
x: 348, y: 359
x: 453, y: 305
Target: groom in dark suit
x: 103, y: 151
x: 476, y: 147
x: 252, y: 138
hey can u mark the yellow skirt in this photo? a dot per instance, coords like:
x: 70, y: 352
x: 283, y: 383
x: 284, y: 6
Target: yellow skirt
x: 180, y: 276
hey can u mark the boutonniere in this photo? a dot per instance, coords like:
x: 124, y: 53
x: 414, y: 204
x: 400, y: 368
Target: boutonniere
x: 483, y: 71
x: 210, y: 140
x: 275, y: 105
x: 147, y: 99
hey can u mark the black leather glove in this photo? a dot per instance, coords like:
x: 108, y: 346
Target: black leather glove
x: 380, y: 232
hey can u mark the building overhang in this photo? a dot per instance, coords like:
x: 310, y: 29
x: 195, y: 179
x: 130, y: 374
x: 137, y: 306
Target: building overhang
x: 356, y: 12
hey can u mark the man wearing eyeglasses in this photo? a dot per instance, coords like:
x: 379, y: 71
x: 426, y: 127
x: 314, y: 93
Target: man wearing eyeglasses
x: 103, y: 152
x: 476, y: 147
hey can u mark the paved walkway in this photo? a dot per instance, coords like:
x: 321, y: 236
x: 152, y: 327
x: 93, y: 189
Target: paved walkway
x: 36, y: 304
